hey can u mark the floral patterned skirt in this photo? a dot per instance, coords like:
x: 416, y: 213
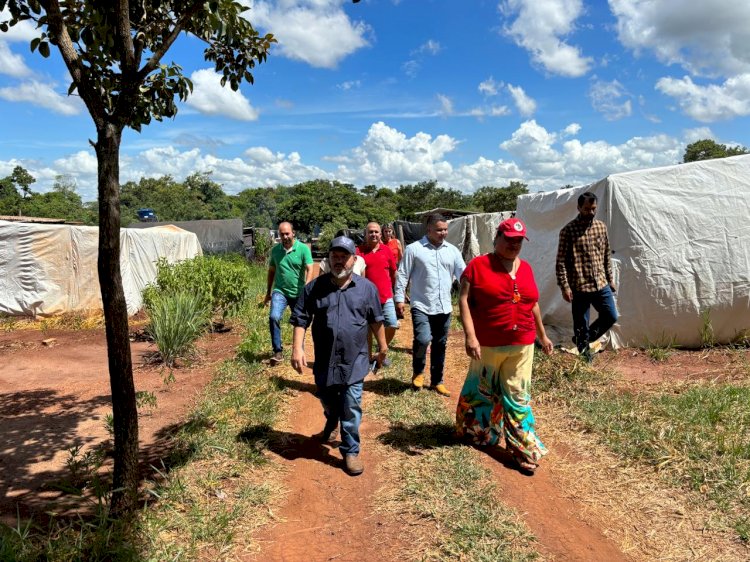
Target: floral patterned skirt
x: 495, y: 402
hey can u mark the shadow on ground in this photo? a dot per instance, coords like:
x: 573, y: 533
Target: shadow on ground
x: 412, y: 440
x: 35, y: 427
x: 288, y: 445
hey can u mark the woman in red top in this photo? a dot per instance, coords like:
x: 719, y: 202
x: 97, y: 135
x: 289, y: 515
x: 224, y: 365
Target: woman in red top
x: 501, y: 319
x: 392, y: 242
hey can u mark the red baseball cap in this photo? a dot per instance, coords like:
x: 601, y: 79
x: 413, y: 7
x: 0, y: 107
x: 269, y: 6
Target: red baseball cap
x: 512, y: 228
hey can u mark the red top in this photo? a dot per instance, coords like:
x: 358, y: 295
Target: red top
x: 380, y: 264
x: 497, y: 319
x: 395, y: 247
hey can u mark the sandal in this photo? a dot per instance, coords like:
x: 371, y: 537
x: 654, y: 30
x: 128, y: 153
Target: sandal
x: 524, y: 465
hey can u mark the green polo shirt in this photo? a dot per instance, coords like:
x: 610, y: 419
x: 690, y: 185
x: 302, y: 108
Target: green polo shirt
x: 290, y: 268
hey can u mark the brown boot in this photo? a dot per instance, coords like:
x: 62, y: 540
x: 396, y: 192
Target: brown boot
x: 353, y: 464
x: 277, y: 358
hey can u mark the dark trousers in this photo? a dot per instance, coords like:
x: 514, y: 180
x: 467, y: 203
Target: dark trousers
x: 603, y: 302
x: 430, y: 329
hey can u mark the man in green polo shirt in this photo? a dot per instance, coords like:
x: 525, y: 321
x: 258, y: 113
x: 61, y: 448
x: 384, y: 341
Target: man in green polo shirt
x: 291, y: 267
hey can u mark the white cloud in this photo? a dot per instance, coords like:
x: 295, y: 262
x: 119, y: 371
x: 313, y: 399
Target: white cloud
x: 211, y: 98
x: 708, y: 37
x: 446, y: 105
x: 549, y: 163
x: 489, y: 87
x: 607, y: 99
x: 11, y: 63
x: 43, y: 95
x: 709, y: 103
x: 349, y: 85
x: 317, y: 32
x: 499, y: 110
x: 388, y: 157
x: 410, y: 68
x: 541, y: 26
x: 525, y: 105
x: 429, y: 47
x: 697, y: 133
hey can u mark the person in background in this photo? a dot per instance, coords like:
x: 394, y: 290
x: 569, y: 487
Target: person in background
x: 501, y: 319
x: 291, y: 266
x: 584, y: 274
x: 381, y: 271
x: 359, y: 263
x: 390, y: 240
x: 342, y: 308
x: 431, y: 264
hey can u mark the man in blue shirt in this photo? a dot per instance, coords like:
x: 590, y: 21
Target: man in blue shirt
x: 341, y: 307
x: 431, y: 264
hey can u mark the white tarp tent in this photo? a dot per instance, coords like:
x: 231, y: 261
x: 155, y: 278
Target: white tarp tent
x: 474, y: 234
x: 680, y: 239
x: 50, y: 269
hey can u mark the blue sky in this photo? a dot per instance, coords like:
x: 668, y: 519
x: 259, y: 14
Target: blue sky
x: 386, y: 92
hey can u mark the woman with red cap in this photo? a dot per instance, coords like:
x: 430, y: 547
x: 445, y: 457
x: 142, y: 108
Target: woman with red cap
x: 501, y: 319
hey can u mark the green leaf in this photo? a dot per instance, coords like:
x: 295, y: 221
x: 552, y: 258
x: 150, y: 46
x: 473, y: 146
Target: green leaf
x: 44, y: 49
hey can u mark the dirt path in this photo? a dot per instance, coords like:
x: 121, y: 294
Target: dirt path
x: 548, y: 511
x: 328, y: 514
x: 55, y: 396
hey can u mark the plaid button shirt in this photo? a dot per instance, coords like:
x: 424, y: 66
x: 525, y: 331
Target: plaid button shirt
x: 584, y: 262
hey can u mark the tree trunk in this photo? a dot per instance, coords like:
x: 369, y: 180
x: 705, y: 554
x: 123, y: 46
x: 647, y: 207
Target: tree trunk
x: 124, y: 410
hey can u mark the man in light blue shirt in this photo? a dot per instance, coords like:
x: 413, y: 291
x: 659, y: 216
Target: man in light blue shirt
x: 431, y: 264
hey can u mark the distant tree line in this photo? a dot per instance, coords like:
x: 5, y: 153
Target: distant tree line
x: 308, y: 205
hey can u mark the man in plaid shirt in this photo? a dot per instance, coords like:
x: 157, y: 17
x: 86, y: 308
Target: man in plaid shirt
x: 584, y: 274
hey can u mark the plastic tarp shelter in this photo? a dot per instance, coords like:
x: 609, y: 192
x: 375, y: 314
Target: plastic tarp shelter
x: 473, y: 234
x: 680, y: 241
x: 50, y: 269
x: 221, y: 236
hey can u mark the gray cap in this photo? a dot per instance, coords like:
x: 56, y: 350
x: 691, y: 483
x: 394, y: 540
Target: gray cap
x: 343, y: 243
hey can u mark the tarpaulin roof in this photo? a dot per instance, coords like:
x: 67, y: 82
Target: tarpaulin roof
x: 50, y: 269
x: 680, y: 240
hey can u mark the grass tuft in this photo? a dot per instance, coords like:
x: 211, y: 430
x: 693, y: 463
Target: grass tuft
x: 438, y: 481
x: 177, y: 320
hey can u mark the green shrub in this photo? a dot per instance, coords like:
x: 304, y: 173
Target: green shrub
x: 223, y: 283
x: 177, y: 320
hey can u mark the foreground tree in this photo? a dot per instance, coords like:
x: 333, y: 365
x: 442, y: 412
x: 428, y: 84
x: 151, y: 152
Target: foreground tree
x: 113, y: 51
x: 707, y: 149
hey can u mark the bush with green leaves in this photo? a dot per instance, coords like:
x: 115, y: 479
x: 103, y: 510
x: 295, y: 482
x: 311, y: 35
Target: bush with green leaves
x: 222, y: 282
x: 176, y: 321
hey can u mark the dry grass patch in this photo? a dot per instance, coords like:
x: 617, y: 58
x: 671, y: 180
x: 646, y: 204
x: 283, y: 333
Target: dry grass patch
x: 446, y: 499
x: 662, y: 469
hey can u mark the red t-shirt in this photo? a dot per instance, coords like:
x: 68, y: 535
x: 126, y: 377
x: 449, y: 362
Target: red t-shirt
x: 497, y: 319
x: 380, y: 263
x: 395, y: 247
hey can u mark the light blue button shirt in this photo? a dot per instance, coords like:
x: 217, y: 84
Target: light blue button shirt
x: 431, y: 270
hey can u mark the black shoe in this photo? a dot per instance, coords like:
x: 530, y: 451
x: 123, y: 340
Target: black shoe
x: 277, y: 358
x: 328, y: 435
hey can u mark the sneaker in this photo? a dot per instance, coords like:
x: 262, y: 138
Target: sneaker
x: 277, y: 358
x: 353, y: 464
x: 587, y: 355
x: 328, y: 436
x: 417, y: 381
x: 441, y: 389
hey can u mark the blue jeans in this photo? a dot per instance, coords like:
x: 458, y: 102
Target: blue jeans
x: 603, y: 302
x: 279, y: 303
x: 430, y: 329
x: 342, y: 403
